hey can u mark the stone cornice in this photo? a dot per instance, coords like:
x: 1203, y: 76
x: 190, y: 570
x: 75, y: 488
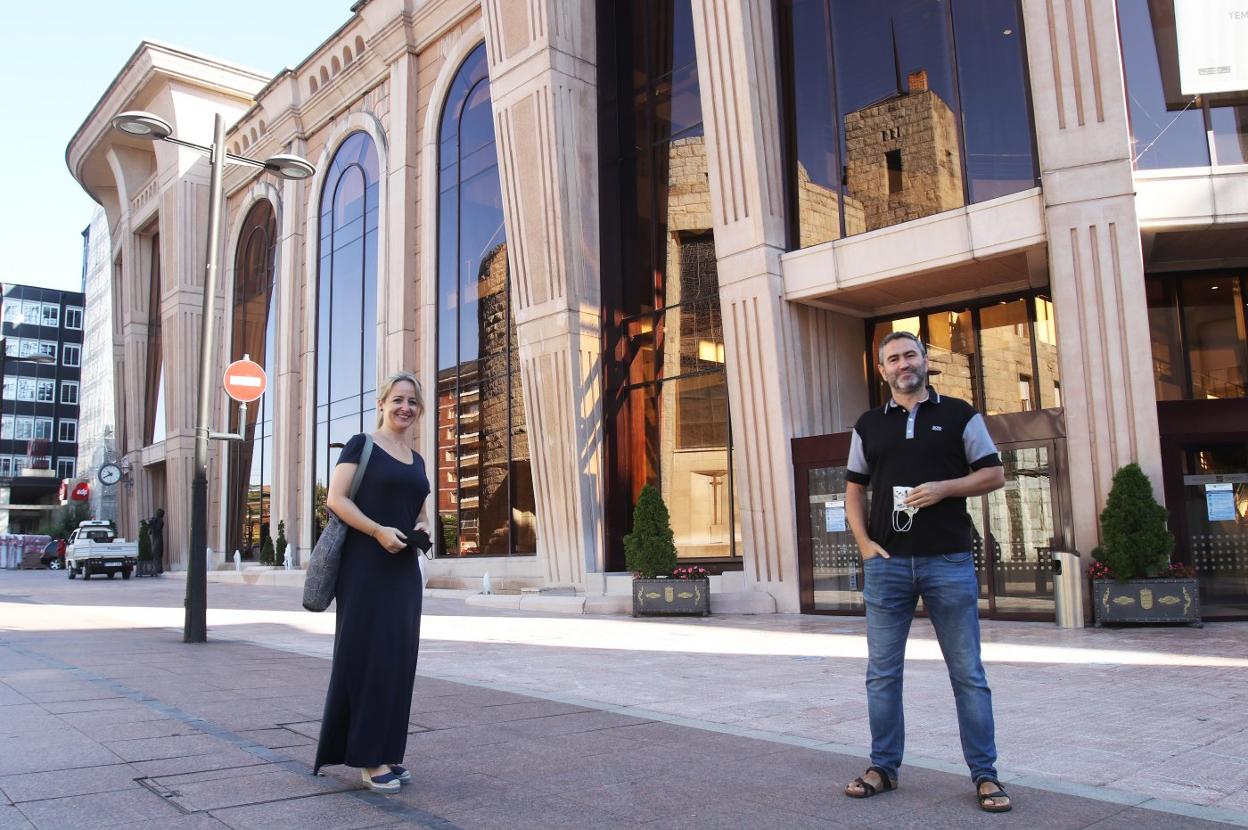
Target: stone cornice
x: 150, y: 64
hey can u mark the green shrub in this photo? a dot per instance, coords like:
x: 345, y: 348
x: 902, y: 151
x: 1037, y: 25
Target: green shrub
x: 281, y: 543
x: 1134, y: 540
x: 145, y: 541
x: 266, y: 551
x: 650, y: 550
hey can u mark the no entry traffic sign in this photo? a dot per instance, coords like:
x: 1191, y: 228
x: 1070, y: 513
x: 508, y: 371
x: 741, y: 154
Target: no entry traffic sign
x: 245, y: 380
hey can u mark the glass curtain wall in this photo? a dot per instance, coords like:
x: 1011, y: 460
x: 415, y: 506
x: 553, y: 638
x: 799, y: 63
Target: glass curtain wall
x: 251, y: 460
x: 486, y: 503
x: 1000, y: 356
x: 900, y: 109
x: 1198, y: 325
x: 346, y: 332
x: 154, y: 412
x: 1169, y: 129
x: 667, y: 397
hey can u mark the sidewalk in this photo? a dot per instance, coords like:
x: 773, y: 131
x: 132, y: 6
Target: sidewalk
x: 522, y: 720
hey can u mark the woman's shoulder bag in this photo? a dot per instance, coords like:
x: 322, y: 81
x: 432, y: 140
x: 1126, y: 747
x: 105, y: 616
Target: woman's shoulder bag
x: 322, y: 575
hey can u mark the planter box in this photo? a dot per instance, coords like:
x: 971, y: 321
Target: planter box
x: 1146, y: 601
x: 661, y: 597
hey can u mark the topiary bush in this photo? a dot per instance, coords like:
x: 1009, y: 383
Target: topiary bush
x: 145, y: 542
x: 266, y: 551
x: 1135, y: 543
x: 650, y: 550
x: 281, y: 543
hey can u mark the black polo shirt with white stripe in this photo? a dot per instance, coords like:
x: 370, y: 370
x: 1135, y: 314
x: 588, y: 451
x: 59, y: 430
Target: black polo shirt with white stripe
x: 941, y: 438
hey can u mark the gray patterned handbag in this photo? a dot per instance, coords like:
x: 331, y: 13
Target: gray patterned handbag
x: 322, y: 576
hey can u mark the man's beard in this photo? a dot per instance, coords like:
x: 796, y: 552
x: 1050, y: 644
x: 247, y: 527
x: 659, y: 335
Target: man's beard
x: 920, y: 381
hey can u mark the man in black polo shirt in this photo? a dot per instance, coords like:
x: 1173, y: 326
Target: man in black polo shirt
x: 922, y: 455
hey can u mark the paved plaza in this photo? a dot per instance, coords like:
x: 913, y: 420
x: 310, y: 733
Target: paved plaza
x: 524, y: 719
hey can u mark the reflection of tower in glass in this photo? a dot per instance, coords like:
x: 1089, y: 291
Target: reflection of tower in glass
x: 492, y: 364
x: 902, y: 156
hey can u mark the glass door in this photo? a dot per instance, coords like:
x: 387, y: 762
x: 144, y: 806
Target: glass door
x: 1016, y: 528
x: 836, y: 566
x: 1215, y: 507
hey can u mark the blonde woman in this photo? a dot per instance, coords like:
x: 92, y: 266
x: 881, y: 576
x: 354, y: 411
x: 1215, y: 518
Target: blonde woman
x: 378, y: 594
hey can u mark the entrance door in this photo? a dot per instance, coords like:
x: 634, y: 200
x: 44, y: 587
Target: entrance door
x: 1215, y: 513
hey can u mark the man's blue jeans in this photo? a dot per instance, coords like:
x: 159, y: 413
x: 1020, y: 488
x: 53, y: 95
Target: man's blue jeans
x: 949, y: 588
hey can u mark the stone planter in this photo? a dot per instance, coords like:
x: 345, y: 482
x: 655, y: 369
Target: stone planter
x: 1146, y: 601
x: 662, y: 597
x: 149, y: 567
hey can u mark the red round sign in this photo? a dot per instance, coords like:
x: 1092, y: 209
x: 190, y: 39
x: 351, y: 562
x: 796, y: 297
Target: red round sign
x: 245, y: 380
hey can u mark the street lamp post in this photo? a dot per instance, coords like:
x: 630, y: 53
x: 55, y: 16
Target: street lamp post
x: 152, y: 127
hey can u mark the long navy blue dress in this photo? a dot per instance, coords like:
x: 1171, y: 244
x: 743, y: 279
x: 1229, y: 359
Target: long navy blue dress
x: 378, y: 597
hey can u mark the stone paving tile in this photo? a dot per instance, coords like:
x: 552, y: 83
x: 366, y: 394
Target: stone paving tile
x: 341, y: 811
x: 26, y: 717
x: 87, y: 812
x: 11, y: 818
x: 58, y: 750
x: 221, y: 759
x: 737, y: 816
x: 1134, y: 818
x: 177, y: 746
x: 10, y: 696
x: 35, y: 786
x: 276, y: 738
x: 531, y: 811
x: 137, y: 730
x: 236, y: 787
x: 198, y: 821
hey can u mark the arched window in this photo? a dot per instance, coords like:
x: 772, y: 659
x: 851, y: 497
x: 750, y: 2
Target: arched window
x: 484, y: 481
x: 251, y: 460
x: 346, y: 328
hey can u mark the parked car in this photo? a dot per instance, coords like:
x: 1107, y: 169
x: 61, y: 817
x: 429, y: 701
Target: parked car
x: 95, y: 549
x: 53, y: 556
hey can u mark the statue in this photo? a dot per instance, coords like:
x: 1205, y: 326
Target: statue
x: 156, y: 526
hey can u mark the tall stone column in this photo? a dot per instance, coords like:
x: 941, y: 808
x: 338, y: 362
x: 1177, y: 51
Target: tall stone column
x: 1096, y: 267
x: 543, y: 83
x: 734, y: 40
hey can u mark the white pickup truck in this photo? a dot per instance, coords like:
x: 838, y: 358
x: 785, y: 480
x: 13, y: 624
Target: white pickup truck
x: 95, y: 549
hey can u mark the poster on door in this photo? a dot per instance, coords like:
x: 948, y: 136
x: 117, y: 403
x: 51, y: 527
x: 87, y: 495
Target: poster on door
x: 834, y: 517
x: 1220, y: 502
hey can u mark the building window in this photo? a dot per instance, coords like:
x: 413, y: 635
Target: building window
x: 67, y: 431
x: 938, y: 86
x: 71, y: 354
x: 485, y: 494
x: 27, y: 348
x: 6, y: 466
x: 25, y: 428
x: 51, y: 315
x: 69, y: 392
x: 1197, y: 324
x: 1001, y: 355
x: 254, y: 320
x: 43, y: 429
x: 10, y: 388
x: 46, y: 391
x: 13, y: 312
x: 346, y: 331
x: 32, y: 312
x: 73, y: 317
x: 47, y: 349
x: 25, y: 389
x: 65, y: 468
x: 667, y: 416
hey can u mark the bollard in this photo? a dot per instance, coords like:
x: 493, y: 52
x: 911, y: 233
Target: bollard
x: 1067, y: 589
x: 238, y: 561
x: 485, y: 584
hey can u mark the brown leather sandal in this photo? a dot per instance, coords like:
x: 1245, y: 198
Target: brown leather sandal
x: 887, y: 784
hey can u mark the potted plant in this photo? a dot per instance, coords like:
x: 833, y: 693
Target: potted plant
x: 1133, y: 579
x: 281, y: 543
x: 650, y: 553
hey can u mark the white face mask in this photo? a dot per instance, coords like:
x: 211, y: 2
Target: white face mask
x: 900, y: 508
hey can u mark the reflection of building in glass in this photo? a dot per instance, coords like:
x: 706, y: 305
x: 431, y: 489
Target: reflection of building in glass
x: 902, y: 156
x: 819, y: 210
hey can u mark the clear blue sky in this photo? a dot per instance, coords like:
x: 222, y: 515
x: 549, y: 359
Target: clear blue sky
x: 57, y: 61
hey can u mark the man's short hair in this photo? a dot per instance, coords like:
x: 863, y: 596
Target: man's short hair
x: 898, y: 335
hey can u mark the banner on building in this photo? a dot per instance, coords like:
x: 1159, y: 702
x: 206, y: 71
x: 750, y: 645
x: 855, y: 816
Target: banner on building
x: 1213, y: 45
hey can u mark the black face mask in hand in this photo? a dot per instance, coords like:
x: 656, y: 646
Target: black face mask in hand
x: 419, y: 541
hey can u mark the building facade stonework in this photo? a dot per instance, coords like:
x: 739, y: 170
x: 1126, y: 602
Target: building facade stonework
x: 665, y: 265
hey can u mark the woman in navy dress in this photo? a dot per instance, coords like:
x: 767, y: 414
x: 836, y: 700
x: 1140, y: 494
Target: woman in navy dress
x: 378, y: 595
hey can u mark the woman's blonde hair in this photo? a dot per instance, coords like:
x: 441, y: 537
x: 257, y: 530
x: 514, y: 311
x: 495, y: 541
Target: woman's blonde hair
x: 388, y: 385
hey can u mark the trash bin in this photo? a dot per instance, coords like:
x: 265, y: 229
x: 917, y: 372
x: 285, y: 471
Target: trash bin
x: 1068, y: 589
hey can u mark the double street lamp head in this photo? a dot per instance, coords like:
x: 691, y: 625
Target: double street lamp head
x: 154, y: 128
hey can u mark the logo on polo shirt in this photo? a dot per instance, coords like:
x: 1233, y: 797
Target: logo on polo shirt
x: 936, y: 428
